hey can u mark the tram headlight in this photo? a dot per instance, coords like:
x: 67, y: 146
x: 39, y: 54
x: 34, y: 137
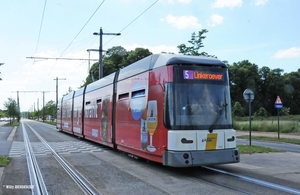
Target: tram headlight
x: 236, y: 153
x: 186, y: 155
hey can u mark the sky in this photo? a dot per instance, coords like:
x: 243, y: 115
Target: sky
x: 265, y: 32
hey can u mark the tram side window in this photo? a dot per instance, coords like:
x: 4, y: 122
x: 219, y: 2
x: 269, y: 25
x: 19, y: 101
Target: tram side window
x: 139, y: 93
x: 123, y: 96
x: 168, y: 106
x: 137, y: 103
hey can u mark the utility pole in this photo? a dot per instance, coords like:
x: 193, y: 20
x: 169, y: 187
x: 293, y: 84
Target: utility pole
x: 38, y: 108
x: 57, y: 89
x: 100, y: 49
x: 18, y: 106
x: 91, y: 74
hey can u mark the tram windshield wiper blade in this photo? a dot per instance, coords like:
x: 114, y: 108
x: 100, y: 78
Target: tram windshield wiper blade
x: 210, y: 129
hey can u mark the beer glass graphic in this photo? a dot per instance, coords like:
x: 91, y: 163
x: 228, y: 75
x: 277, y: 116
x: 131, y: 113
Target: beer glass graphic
x: 151, y: 122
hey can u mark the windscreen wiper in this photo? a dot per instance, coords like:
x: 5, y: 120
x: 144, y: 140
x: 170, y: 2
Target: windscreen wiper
x: 210, y: 129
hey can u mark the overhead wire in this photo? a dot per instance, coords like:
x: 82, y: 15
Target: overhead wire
x: 134, y: 20
x: 40, y: 30
x: 107, y: 41
x: 37, y: 44
x: 74, y: 38
x: 139, y: 15
x: 83, y: 27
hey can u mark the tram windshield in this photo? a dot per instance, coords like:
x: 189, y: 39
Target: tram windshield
x: 197, y: 105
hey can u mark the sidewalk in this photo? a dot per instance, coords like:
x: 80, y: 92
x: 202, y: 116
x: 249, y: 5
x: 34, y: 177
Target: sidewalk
x: 281, y: 165
x: 268, y: 134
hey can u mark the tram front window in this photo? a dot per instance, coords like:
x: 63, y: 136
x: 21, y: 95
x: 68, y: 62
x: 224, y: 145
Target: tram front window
x: 195, y: 106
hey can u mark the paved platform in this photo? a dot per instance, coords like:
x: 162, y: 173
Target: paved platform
x: 282, y: 165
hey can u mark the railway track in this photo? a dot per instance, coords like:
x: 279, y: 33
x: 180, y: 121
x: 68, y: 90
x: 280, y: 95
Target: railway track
x: 221, y: 178
x: 160, y: 179
x: 36, y: 177
x: 258, y: 181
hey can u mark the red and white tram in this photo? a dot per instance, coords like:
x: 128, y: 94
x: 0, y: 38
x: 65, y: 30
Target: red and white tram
x: 167, y: 108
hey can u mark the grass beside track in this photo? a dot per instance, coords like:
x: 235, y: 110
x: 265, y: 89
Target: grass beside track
x: 12, y: 123
x: 275, y: 139
x: 4, y: 161
x: 246, y: 149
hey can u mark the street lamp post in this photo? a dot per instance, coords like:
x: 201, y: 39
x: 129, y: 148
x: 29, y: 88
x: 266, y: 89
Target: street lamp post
x: 100, y: 49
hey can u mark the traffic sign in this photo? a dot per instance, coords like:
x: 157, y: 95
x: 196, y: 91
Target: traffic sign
x: 278, y: 103
x: 278, y: 100
x: 278, y: 106
x: 248, y: 95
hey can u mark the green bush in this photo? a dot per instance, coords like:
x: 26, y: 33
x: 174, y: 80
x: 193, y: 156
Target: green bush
x: 262, y: 112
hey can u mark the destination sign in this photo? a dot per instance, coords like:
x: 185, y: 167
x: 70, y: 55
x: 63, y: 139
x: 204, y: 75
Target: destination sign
x: 201, y: 75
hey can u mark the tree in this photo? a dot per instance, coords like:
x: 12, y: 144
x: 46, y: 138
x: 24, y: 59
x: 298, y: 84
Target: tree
x: 12, y: 109
x: 238, y: 110
x: 2, y: 113
x: 261, y: 112
x: 50, y: 108
x: 284, y: 111
x: 136, y: 55
x: 115, y: 59
x: 266, y: 98
x: 292, y: 92
x: 197, y: 44
x: 276, y: 85
x: 244, y: 75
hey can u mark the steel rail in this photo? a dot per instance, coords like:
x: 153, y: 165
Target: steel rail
x: 83, y: 183
x: 36, y: 178
x: 258, y: 181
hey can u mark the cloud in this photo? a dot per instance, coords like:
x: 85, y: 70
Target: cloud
x: 261, y: 2
x: 226, y: 3
x: 214, y: 20
x: 153, y: 49
x: 293, y: 52
x: 183, y: 22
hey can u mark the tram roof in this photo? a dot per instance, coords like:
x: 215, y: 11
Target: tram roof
x: 68, y: 96
x: 159, y: 60
x: 100, y: 83
x: 168, y: 59
x: 151, y: 62
x: 79, y: 92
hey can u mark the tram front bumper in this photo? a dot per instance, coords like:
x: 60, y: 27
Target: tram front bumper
x: 200, y: 158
